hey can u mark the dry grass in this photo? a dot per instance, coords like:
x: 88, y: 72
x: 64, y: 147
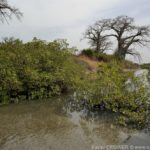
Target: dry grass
x: 91, y: 63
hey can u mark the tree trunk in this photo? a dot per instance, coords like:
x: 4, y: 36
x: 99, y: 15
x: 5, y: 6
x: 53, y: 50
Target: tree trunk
x: 98, y: 47
x: 120, y: 53
x: 98, y: 43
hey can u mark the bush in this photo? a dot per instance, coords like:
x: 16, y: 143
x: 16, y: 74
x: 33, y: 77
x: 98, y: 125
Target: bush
x: 35, y: 70
x: 110, y: 88
x: 89, y: 52
x: 105, y: 57
x: 129, y: 65
x: 98, y: 56
x: 145, y: 66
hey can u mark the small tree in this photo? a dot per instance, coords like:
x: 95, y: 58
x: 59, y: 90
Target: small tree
x: 6, y: 11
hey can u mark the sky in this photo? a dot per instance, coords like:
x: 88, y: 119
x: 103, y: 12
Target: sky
x: 55, y: 19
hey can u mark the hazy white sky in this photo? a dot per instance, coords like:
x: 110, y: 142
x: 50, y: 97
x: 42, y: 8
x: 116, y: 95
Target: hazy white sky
x: 52, y: 19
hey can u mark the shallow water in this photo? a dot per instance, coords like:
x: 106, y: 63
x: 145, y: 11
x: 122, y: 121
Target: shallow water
x: 55, y: 125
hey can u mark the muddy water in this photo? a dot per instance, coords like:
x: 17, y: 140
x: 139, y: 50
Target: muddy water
x: 53, y: 125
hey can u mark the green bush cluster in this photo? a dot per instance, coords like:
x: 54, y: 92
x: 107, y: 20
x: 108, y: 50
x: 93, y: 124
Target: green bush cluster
x: 106, y: 58
x: 119, y: 91
x: 35, y: 70
x: 98, y: 56
x: 89, y: 52
x: 145, y: 66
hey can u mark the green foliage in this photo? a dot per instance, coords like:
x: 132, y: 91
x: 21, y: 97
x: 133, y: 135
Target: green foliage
x: 89, y: 52
x: 145, y: 66
x: 39, y: 70
x: 98, y: 56
x: 106, y: 58
x: 35, y: 70
x: 120, y: 92
x: 129, y: 65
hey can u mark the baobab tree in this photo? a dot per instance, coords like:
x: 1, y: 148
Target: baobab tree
x: 6, y: 11
x: 127, y: 34
x: 95, y: 36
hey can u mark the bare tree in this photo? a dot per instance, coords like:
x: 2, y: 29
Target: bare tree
x: 6, y: 11
x: 124, y: 30
x: 95, y: 36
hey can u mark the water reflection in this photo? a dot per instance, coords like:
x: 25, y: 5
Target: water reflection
x: 59, y: 124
